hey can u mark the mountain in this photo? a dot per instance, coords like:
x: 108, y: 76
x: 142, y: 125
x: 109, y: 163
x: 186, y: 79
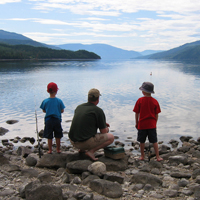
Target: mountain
x: 30, y: 52
x: 188, y: 51
x: 149, y: 52
x: 103, y: 50
x: 15, y: 39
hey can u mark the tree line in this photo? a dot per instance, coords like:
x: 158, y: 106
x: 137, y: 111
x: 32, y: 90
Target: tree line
x: 31, y: 52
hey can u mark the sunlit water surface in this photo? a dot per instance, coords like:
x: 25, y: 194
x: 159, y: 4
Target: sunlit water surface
x: 177, y: 89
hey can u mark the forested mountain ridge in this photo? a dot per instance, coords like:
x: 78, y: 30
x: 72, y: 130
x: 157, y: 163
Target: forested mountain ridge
x: 188, y: 51
x: 31, y: 52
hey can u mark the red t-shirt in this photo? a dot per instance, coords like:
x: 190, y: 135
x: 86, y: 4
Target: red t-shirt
x: 147, y: 107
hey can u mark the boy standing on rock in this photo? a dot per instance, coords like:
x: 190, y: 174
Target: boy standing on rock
x: 146, y: 116
x: 53, y: 107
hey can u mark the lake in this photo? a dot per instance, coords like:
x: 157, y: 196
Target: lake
x: 177, y: 89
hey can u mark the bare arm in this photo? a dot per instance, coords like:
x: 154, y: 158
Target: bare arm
x: 136, y: 119
x: 105, y: 130
x: 156, y: 117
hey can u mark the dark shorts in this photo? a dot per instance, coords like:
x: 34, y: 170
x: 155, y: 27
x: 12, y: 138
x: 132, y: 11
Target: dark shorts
x: 53, y: 126
x: 151, y: 133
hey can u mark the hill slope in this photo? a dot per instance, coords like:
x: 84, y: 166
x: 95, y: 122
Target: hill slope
x: 30, y: 52
x: 189, y: 51
x: 15, y: 39
x: 104, y: 50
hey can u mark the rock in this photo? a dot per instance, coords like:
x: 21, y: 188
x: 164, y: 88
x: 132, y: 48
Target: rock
x: 11, y: 168
x: 107, y: 188
x: 88, y: 179
x: 24, y: 151
x: 97, y: 168
x: 12, y: 121
x: 3, y: 131
x: 54, y: 161
x: 65, y: 177
x: 76, y: 180
x: 31, y: 161
x: 174, y: 143
x: 41, y: 192
x: 146, y: 178
x: 45, y: 177
x: 183, y: 182
x: 196, y: 154
x: 185, y: 138
x: 30, y: 173
x: 181, y: 175
x: 171, y: 193
x: 79, y: 166
x: 115, y: 165
x: 178, y: 159
x: 195, y: 173
x: 114, y: 177
x: 3, y: 160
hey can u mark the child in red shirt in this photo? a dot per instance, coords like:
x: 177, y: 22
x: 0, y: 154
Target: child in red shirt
x: 146, y: 116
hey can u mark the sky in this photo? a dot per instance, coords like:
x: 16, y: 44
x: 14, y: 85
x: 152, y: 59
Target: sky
x: 127, y: 24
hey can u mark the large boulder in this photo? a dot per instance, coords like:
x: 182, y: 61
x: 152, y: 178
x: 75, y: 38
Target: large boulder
x: 106, y: 188
x: 146, y: 178
x: 52, y: 161
x: 115, y: 165
x: 41, y: 192
x: 79, y: 166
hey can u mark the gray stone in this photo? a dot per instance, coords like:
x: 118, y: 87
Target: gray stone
x: 137, y: 187
x: 60, y: 171
x: 65, y: 177
x: 3, y: 131
x: 88, y: 179
x: 7, y: 192
x: 171, y: 193
x: 76, y: 180
x: 186, y: 192
x: 196, y: 154
x: 3, y: 160
x: 24, y: 151
x: 155, y: 171
x: 79, y: 166
x: 41, y: 192
x: 11, y: 168
x: 106, y: 188
x: 114, y: 177
x: 88, y: 196
x: 31, y: 161
x: 155, y: 164
x: 115, y: 165
x: 146, y: 178
x: 30, y: 173
x: 178, y: 159
x: 12, y: 121
x: 54, y: 161
x: 183, y: 182
x: 45, y: 177
x: 181, y: 175
x: 195, y: 173
x: 148, y: 187
x: 185, y: 138
x: 97, y: 168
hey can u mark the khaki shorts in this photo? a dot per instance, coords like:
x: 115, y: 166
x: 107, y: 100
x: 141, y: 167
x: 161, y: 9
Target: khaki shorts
x: 95, y: 141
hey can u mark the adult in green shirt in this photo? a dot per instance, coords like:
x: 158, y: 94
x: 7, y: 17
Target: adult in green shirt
x: 88, y: 118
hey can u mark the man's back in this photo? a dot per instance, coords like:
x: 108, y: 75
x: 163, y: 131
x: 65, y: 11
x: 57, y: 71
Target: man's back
x: 87, y: 119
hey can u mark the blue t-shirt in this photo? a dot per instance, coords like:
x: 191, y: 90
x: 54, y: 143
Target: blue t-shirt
x: 52, y: 107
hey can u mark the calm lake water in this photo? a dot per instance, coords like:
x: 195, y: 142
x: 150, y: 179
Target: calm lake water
x: 177, y: 89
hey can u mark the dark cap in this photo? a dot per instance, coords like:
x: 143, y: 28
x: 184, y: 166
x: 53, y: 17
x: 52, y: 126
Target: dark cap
x: 52, y: 87
x: 147, y: 87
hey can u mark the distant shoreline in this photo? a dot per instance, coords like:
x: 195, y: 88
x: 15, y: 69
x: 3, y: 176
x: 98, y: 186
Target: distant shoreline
x: 50, y: 59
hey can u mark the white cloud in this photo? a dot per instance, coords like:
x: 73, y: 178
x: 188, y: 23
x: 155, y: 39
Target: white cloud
x: 9, y: 1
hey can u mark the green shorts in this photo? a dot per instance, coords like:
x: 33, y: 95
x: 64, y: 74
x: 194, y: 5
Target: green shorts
x: 95, y: 141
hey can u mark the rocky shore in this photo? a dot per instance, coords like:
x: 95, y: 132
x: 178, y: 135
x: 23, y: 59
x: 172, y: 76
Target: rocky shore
x: 72, y: 175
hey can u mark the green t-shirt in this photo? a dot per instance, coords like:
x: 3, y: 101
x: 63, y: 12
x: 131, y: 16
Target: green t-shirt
x: 87, y: 119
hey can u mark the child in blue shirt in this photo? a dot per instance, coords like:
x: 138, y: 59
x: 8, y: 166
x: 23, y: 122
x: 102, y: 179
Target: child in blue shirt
x: 53, y: 107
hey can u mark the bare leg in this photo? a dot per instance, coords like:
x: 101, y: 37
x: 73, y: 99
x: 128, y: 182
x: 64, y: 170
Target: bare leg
x: 155, y: 145
x: 50, y: 146
x: 58, y: 145
x: 110, y: 140
x: 142, y: 145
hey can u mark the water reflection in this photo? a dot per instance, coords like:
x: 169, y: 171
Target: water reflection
x: 176, y: 88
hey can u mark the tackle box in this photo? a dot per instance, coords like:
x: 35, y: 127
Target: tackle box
x: 114, y: 152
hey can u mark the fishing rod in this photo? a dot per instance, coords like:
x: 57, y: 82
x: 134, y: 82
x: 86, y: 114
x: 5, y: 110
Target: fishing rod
x: 39, y: 147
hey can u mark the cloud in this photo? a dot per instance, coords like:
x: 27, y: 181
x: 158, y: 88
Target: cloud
x: 114, y: 7
x: 9, y: 1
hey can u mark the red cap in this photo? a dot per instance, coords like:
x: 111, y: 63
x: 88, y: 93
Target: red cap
x: 52, y: 87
